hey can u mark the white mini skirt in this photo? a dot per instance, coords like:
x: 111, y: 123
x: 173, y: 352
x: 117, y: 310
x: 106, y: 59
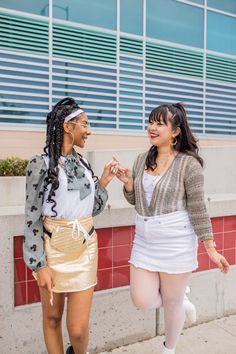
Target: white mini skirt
x: 165, y: 243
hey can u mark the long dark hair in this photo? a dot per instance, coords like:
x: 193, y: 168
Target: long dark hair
x: 186, y: 142
x: 54, y: 141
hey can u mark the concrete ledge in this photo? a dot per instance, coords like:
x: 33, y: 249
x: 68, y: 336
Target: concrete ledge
x: 221, y: 204
x: 12, y: 210
x: 120, y: 213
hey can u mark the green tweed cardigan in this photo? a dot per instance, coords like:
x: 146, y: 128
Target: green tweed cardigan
x: 180, y: 188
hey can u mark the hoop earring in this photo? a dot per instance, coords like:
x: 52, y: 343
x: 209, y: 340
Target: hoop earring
x: 174, y: 141
x: 73, y: 138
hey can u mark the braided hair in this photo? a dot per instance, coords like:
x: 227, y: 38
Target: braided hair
x: 186, y: 142
x: 54, y: 141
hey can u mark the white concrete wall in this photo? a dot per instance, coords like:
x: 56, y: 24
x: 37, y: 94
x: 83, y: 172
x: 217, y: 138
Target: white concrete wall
x: 220, y: 169
x: 25, y: 143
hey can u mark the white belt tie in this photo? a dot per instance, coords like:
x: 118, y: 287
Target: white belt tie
x: 77, y: 226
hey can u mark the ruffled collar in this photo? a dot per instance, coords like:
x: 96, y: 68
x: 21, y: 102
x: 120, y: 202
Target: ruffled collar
x: 75, y: 172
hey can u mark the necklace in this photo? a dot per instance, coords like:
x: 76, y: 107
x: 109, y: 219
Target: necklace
x: 162, y: 164
x: 164, y: 159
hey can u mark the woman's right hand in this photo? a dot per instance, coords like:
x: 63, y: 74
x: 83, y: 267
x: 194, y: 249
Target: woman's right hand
x: 124, y: 174
x: 44, y: 279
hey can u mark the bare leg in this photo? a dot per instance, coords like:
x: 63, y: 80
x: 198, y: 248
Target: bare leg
x: 173, y: 288
x: 52, y: 316
x: 144, y: 288
x: 78, y: 311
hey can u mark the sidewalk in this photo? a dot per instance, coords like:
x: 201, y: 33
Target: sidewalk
x: 215, y: 337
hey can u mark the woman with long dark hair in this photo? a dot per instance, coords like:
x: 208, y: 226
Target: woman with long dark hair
x: 166, y: 187
x: 60, y: 246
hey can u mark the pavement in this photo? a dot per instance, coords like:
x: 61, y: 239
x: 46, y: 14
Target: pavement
x: 214, y: 337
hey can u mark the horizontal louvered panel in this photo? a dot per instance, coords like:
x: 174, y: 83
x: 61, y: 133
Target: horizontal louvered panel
x: 24, y: 91
x: 162, y: 89
x: 220, y: 108
x: 73, y: 42
x: 153, y: 88
x: 220, y: 131
x: 220, y: 68
x: 77, y: 70
x: 131, y: 58
x: 220, y: 100
x: 124, y: 106
x: 187, y: 54
x: 22, y: 33
x: 130, y: 85
x: 220, y: 113
x: 173, y: 60
x: 89, y: 85
x: 130, y: 45
x: 220, y: 96
x: 91, y: 94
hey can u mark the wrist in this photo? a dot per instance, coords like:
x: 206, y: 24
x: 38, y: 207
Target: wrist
x: 41, y: 268
x: 211, y: 250
x: 210, y: 246
x: 128, y: 186
x: 129, y: 182
x: 103, y: 182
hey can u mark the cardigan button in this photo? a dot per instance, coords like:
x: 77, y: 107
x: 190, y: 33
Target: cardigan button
x: 145, y: 219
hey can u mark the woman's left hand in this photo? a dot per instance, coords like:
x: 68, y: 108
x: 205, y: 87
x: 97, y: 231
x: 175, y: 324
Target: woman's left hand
x: 218, y: 259
x: 110, y: 170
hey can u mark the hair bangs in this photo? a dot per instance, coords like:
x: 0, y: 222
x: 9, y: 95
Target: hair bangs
x: 160, y: 114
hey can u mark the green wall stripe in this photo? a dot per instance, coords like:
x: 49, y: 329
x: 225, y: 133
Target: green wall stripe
x: 84, y: 44
x: 21, y: 33
x: 131, y: 46
x: 174, y: 60
x: 220, y: 68
x: 24, y: 34
x: 80, y: 32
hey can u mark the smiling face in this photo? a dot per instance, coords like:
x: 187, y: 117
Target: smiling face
x: 80, y: 129
x: 160, y: 131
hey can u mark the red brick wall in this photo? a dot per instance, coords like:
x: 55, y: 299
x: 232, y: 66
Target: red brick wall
x: 114, y: 251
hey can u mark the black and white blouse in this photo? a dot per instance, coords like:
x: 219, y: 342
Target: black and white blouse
x: 77, y: 196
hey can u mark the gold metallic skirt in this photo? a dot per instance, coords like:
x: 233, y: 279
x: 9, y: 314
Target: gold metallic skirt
x: 72, y: 253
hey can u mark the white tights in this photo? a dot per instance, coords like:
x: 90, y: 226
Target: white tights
x: 156, y: 289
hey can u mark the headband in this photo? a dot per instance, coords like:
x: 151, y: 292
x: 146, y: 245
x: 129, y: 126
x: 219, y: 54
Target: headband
x: 73, y: 114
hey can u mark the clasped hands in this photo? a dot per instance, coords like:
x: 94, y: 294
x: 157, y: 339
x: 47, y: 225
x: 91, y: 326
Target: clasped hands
x: 124, y: 174
x: 113, y: 168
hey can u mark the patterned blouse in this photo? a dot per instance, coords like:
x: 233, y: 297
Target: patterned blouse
x: 77, y: 196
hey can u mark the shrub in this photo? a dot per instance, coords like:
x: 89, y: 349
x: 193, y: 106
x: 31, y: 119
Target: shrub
x: 13, y: 166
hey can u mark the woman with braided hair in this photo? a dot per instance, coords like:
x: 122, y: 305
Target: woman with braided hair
x: 60, y: 245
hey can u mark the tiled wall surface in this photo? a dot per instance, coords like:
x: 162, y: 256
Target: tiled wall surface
x: 114, y: 251
x: 224, y: 229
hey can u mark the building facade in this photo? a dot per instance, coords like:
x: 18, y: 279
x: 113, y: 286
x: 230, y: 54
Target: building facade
x: 119, y: 59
